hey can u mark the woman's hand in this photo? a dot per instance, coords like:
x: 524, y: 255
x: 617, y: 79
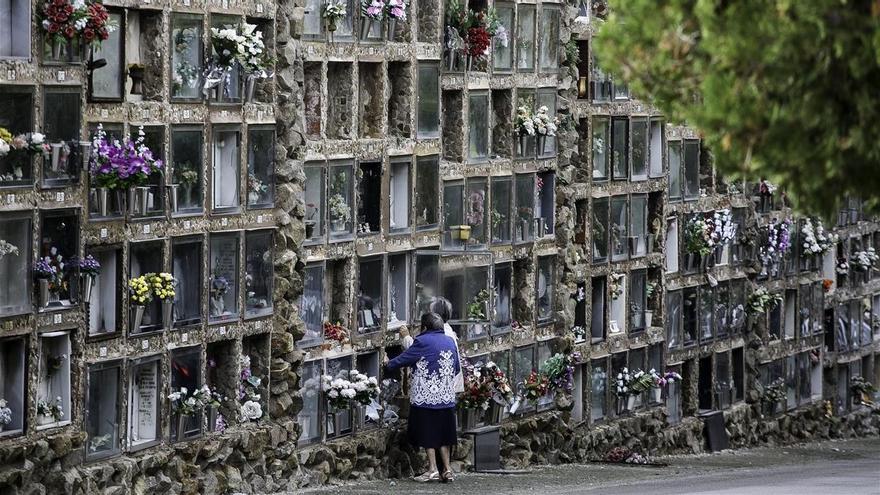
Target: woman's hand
x: 385, y: 359
x: 404, y: 331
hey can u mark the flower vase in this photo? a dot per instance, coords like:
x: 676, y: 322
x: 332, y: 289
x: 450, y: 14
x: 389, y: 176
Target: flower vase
x: 540, y: 227
x: 218, y: 306
x: 187, y: 195
x: 248, y: 86
x: 704, y: 262
x: 366, y: 27
x: 167, y: 307
x: 337, y: 225
x: 57, y: 48
x: 468, y: 419
x: 514, y: 407
x: 181, y: 427
x: 44, y: 292
x: 131, y: 201
x: 310, y: 228
x: 392, y: 28
x: 689, y: 264
x: 102, y: 196
x: 88, y: 284
x: 470, y: 63
x: 331, y: 27
x: 522, y: 144
x: 360, y: 415
x: 172, y: 191
x: 120, y: 201
x: 212, y: 418
x: 450, y: 60
x: 656, y: 395
x: 494, y: 413
x: 137, y: 317
x: 136, y: 73
x: 142, y: 193
x: 524, y: 230
x: 649, y: 317
x: 630, y: 402
x: 56, y: 156
x: 542, y: 141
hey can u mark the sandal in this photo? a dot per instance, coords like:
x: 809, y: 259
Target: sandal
x: 447, y: 477
x: 424, y: 478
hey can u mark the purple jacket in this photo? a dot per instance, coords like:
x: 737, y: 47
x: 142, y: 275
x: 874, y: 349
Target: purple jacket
x: 435, y: 364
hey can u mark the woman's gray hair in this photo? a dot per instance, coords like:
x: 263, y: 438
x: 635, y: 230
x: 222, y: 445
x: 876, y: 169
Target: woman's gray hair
x: 431, y: 321
x: 442, y: 307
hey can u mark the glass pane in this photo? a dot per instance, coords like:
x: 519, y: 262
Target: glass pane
x: 226, y: 168
x: 525, y: 38
x: 707, y: 313
x: 400, y: 192
x: 16, y: 116
x: 503, y: 286
x: 186, y: 154
x: 475, y: 209
x: 15, y: 29
x: 104, y: 304
x: 59, y: 243
x: 370, y: 295
x: 186, y: 255
x: 500, y: 216
x: 62, y: 129
x: 102, y: 411
x: 638, y: 300
x: 674, y: 151
x: 600, y: 143
x: 655, y: 153
x: 619, y: 241
x: 502, y: 42
x: 186, y: 56
x: 12, y: 381
x: 144, y: 403
x: 619, y: 155
x: 261, y: 167
x: 53, y: 387
x: 673, y: 319
x: 600, y: 229
x: 259, y: 270
x: 398, y: 289
x: 525, y: 207
x: 340, y: 201
x: 598, y: 387
x: 427, y: 183
x: 15, y: 265
x: 691, y: 169
x: 546, y: 287
x: 224, y: 276
x: 143, y: 258
x: 314, y: 199
x: 429, y: 100
x: 640, y: 148
x: 689, y: 315
x: 455, y: 232
x: 638, y: 225
x: 310, y: 389
x: 312, y: 305
x: 186, y: 373
x: 549, y: 38
x: 107, y: 81
x: 547, y: 98
x: 478, y: 126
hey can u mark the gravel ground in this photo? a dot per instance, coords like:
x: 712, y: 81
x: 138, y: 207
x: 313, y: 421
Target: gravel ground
x: 849, y: 467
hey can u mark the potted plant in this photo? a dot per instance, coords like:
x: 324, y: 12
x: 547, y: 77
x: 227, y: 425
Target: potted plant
x: 186, y: 405
x: 50, y: 411
x: 69, y: 26
x: 371, y: 10
x: 187, y: 177
x: 340, y: 213
x: 502, y: 393
x: 625, y: 398
x: 5, y: 414
x: 476, y: 396
x: 366, y: 393
x: 545, y: 126
x: 333, y: 11
x: 524, y: 125
x: 254, y: 59
x: 116, y: 165
x: 140, y: 295
x: 535, y: 387
x: 559, y: 370
x: 47, y: 277
x: 339, y: 392
x: 89, y: 269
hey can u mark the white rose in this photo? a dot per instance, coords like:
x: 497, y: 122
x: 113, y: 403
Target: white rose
x: 252, y: 410
x: 37, y: 138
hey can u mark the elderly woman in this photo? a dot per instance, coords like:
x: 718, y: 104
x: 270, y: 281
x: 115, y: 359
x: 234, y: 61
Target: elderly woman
x: 433, y: 357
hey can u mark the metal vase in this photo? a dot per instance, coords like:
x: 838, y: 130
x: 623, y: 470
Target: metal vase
x: 57, y: 48
x: 212, y: 418
x: 143, y: 199
x: 542, y: 141
x: 131, y: 201
x: 450, y: 60
x: 656, y: 395
x: 88, y: 283
x: 181, y: 427
x: 522, y: 144
x: 630, y: 402
x: 392, y: 28
x: 167, y: 307
x: 172, y: 190
x: 102, y: 197
x: 85, y: 154
x: 540, y: 227
x: 137, y: 316
x: 44, y: 292
x: 248, y: 86
x: 56, y: 156
x: 469, y: 419
x: 494, y: 414
x: 366, y: 27
x: 120, y: 200
x: 360, y: 415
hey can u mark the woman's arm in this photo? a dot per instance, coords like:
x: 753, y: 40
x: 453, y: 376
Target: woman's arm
x: 410, y: 356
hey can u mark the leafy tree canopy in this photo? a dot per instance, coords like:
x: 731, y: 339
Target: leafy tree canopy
x: 787, y: 90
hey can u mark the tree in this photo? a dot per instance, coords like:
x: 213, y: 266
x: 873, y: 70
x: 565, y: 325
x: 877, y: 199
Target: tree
x: 785, y: 90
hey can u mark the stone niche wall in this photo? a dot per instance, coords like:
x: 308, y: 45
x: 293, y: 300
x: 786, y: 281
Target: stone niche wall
x: 502, y: 130
x: 371, y: 98
x: 453, y: 125
x: 152, y: 45
x: 312, y: 99
x: 428, y: 13
x: 340, y: 91
x: 400, y: 98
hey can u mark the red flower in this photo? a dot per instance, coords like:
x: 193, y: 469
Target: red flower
x: 89, y: 34
x: 478, y: 41
x: 69, y: 32
x: 53, y: 28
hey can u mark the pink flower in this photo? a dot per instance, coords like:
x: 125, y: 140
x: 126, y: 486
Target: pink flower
x: 19, y: 142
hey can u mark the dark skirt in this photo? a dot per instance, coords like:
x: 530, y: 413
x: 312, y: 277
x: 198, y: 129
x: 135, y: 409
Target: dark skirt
x: 432, y: 428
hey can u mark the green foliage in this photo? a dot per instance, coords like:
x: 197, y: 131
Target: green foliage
x: 780, y: 89
x: 572, y: 56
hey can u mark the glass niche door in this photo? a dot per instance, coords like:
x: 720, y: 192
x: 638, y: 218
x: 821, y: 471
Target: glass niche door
x: 465, y: 280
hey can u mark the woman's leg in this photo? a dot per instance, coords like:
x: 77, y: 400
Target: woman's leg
x: 444, y: 455
x: 432, y: 460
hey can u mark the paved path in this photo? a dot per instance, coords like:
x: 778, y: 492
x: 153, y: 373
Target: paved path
x: 838, y: 467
